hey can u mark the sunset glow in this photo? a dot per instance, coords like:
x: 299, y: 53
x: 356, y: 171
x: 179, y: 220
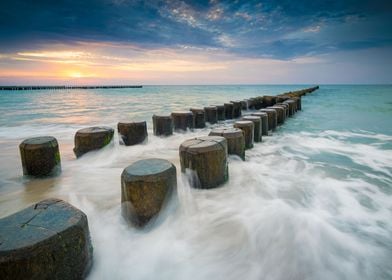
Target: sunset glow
x: 181, y: 42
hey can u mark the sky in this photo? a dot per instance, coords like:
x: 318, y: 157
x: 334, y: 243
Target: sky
x: 195, y: 42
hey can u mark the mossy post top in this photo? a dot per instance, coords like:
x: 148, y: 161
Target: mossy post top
x: 147, y: 168
x: 37, y: 223
x: 94, y: 129
x: 48, y: 141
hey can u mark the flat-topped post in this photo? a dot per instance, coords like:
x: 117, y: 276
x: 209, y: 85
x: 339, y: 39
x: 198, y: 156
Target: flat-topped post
x: 132, y: 133
x: 162, y: 125
x: 48, y: 240
x: 206, y: 158
x: 91, y: 139
x: 146, y: 186
x: 235, y: 140
x: 248, y: 128
x: 40, y: 156
x: 182, y: 120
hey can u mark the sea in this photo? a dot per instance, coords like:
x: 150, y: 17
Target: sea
x: 312, y: 201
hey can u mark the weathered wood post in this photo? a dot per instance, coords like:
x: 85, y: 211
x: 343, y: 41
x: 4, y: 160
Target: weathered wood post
x: 286, y: 108
x: 132, y: 133
x: 229, y: 110
x: 248, y: 128
x: 211, y: 114
x: 49, y: 240
x: 272, y: 118
x: 264, y: 122
x: 40, y: 156
x: 221, y: 112
x: 269, y: 100
x: 182, y: 120
x: 199, y: 117
x: 259, y: 103
x: 146, y: 186
x: 280, y: 112
x: 244, y: 104
x: 236, y: 109
x: 162, y: 125
x: 282, y: 107
x: 235, y: 140
x: 206, y: 157
x: 257, y: 126
x: 91, y: 139
x: 299, y: 104
x: 291, y: 104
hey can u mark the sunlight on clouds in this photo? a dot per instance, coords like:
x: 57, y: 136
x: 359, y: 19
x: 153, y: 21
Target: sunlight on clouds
x: 56, y: 54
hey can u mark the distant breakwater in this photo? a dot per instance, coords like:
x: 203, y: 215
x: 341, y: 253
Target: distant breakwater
x: 64, y: 87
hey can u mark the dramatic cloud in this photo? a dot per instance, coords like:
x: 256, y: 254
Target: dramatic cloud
x: 131, y: 32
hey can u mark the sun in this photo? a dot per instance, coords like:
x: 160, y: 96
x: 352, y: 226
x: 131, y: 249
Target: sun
x: 76, y: 75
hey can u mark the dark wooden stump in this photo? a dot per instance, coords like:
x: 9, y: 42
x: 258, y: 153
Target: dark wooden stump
x: 182, y: 120
x: 236, y: 109
x: 132, y: 133
x: 49, y: 240
x: 244, y: 104
x: 229, y: 110
x: 207, y: 158
x: 199, y: 117
x: 257, y: 126
x: 248, y: 128
x: 221, y: 112
x: 146, y: 186
x: 162, y: 125
x: 91, y: 139
x: 292, y: 105
x: 286, y: 108
x: 235, y: 140
x: 269, y: 100
x: 264, y: 122
x: 280, y: 112
x: 40, y: 156
x: 272, y: 118
x: 211, y: 114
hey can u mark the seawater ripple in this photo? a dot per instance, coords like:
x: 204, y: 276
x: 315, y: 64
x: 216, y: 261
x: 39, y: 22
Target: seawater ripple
x: 313, y: 201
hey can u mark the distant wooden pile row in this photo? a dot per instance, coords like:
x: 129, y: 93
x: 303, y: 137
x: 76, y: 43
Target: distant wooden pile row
x: 62, y: 87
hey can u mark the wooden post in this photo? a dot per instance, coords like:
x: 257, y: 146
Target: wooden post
x: 229, y: 110
x: 235, y: 140
x: 199, y: 117
x: 264, y: 122
x: 248, y: 128
x: 48, y: 240
x: 182, y: 120
x: 40, y: 156
x: 211, y: 114
x: 162, y: 125
x: 146, y: 186
x: 272, y: 118
x: 221, y: 112
x: 206, y: 157
x: 132, y: 133
x: 91, y: 139
x: 257, y: 126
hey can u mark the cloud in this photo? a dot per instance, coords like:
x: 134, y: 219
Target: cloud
x: 279, y: 29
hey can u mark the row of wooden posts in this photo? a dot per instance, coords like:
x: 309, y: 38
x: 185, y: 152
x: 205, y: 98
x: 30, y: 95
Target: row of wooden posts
x: 146, y: 185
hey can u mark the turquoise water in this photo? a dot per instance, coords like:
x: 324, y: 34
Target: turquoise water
x: 313, y: 201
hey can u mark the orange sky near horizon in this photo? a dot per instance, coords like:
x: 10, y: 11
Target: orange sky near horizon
x: 105, y: 63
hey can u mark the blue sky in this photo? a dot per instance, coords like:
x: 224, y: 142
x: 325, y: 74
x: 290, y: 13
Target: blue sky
x: 180, y: 42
